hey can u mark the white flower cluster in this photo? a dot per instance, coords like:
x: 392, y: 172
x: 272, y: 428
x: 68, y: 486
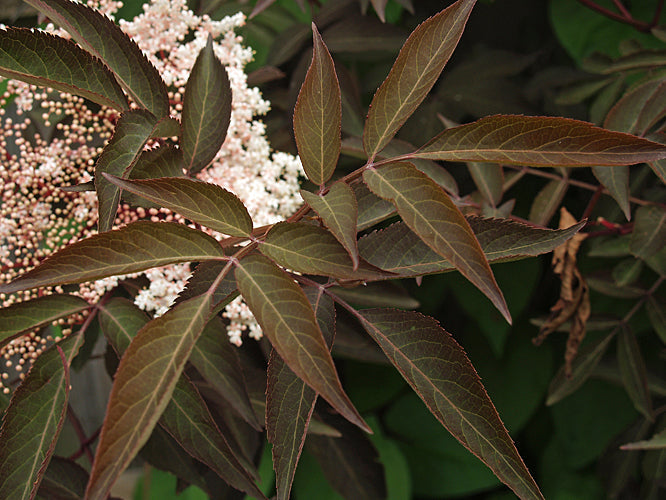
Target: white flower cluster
x: 171, y: 36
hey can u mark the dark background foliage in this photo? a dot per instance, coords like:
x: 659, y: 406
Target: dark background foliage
x: 518, y: 57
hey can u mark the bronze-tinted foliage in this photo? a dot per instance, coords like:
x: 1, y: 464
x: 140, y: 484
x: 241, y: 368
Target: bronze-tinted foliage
x: 176, y: 374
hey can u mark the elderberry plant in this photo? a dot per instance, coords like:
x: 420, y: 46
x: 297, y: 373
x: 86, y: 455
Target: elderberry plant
x: 162, y: 187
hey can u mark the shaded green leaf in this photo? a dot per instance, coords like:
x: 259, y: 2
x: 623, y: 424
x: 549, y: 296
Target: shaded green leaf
x: 22, y: 317
x: 216, y: 359
x: 639, y: 109
x: 657, y: 314
x: 202, y: 202
x: 290, y: 402
x: 438, y: 370
x: 132, y: 248
x: 547, y: 201
x: 143, y: 385
x: 49, y: 61
x: 415, y: 71
x: 64, y: 480
x: 616, y: 181
x: 350, y: 462
x: 318, y: 115
x: 339, y: 212
x: 132, y: 132
x: 634, y: 374
x: 399, y: 250
x: 659, y: 168
x: 627, y: 271
x: 98, y: 35
x: 163, y: 161
x: 649, y: 235
x: 361, y: 34
x: 206, y: 110
x: 656, y: 442
x: 429, y: 212
x: 32, y: 422
x: 287, y: 319
x: 539, y: 141
x: 606, y: 65
x: 312, y: 249
x: 378, y: 294
x: 604, y: 283
x: 489, y: 180
x: 583, y: 365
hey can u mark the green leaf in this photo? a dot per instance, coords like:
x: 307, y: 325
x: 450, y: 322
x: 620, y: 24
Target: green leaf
x: 312, y: 249
x: 132, y: 248
x: 489, y: 180
x: 415, y: 71
x: 64, y: 480
x: 287, y: 319
x: 142, y: 388
x: 290, y: 402
x: 201, y: 202
x: 616, y: 181
x: 547, y: 201
x: 539, y: 141
x: 98, y: 35
x: 639, y: 109
x: 399, y: 250
x: 318, y: 115
x: 649, y: 235
x: 657, y: 314
x: 188, y: 419
x: 659, y: 168
x: 584, y: 363
x: 339, y: 212
x: 163, y: 161
x: 656, y: 442
x: 22, y: 317
x: 350, y: 462
x: 216, y: 359
x: 429, y: 212
x: 633, y: 371
x: 438, y: 370
x: 32, y: 423
x: 49, y: 61
x: 206, y: 110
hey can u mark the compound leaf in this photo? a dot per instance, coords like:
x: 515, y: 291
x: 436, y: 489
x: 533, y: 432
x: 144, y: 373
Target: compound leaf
x: 143, y: 385
x: 429, y: 212
x: 32, y: 422
x: 318, y: 115
x: 206, y: 110
x: 132, y: 248
x: 99, y: 35
x: 415, y: 71
x: 201, y: 202
x: 46, y: 60
x: 287, y: 319
x: 438, y: 370
x: 539, y: 141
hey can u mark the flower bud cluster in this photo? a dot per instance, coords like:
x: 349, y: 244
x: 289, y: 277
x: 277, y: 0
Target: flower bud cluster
x: 49, y: 140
